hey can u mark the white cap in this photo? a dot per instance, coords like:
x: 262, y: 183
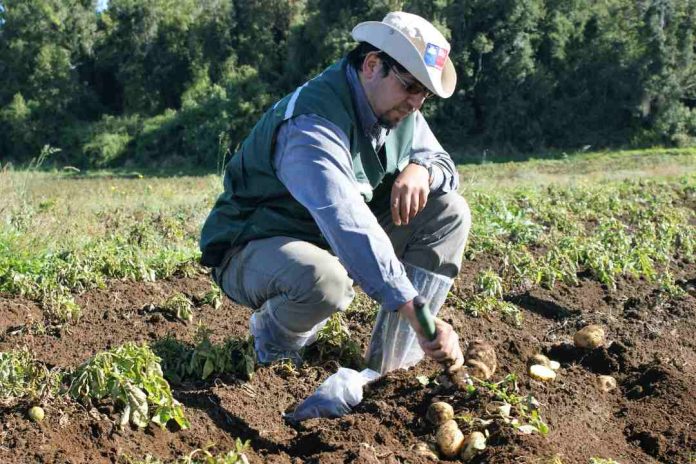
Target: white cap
x: 416, y: 45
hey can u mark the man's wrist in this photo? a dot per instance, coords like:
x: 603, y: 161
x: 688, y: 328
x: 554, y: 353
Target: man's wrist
x: 426, y: 164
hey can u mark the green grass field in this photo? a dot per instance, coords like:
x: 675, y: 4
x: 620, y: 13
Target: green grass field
x: 64, y: 232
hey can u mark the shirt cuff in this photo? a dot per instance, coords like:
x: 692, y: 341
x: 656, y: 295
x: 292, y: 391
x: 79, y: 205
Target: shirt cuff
x: 438, y: 178
x: 396, y: 292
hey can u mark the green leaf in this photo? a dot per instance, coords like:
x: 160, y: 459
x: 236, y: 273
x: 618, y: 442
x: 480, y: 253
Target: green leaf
x: 137, y: 403
x: 208, y: 368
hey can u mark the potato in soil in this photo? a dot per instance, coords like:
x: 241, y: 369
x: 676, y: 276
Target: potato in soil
x: 449, y: 438
x: 606, y: 383
x: 543, y: 373
x: 589, y: 337
x: 481, y: 359
x: 474, y: 444
x: 439, y: 413
x: 36, y: 414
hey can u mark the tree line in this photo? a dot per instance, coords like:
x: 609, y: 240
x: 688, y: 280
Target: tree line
x: 180, y: 82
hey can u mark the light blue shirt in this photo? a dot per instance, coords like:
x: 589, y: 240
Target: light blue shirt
x: 312, y: 159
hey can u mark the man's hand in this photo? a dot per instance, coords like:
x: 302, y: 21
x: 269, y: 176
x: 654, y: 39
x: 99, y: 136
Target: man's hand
x: 409, y: 193
x: 444, y: 348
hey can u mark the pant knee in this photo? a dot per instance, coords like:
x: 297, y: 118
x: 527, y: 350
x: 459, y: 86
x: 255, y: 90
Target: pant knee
x: 455, y: 217
x: 460, y: 209
x: 326, y: 289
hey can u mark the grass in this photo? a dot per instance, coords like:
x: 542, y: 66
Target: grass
x: 62, y: 233
x: 580, y: 169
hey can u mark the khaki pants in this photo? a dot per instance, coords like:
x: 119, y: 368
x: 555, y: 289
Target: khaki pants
x: 306, y: 284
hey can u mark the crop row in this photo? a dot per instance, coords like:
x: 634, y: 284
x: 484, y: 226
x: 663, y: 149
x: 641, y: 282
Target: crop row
x: 540, y: 236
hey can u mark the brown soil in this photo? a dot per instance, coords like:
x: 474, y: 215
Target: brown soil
x: 648, y: 419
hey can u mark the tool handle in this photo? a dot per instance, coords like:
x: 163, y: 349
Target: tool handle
x: 425, y: 319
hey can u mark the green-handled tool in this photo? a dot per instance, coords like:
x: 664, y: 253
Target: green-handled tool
x: 425, y: 319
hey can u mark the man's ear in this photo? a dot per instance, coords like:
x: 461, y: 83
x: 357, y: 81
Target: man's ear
x: 371, y: 65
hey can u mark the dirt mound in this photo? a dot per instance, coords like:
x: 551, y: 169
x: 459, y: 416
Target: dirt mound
x: 650, y: 350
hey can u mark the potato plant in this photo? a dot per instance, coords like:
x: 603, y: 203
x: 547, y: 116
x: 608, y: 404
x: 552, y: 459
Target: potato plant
x: 524, y: 413
x: 205, y: 359
x: 22, y: 377
x: 204, y: 456
x: 178, y: 306
x: 131, y: 376
x: 334, y: 342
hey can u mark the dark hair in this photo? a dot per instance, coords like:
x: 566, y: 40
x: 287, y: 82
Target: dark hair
x: 357, y: 55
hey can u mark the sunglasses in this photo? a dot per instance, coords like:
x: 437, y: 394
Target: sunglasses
x: 414, y: 87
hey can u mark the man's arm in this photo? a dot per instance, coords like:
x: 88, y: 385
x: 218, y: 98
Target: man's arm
x: 427, y: 149
x: 431, y: 171
x: 313, y: 162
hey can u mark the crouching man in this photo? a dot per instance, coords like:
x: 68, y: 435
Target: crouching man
x: 340, y: 181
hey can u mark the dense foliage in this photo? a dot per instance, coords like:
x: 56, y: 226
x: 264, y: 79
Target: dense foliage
x: 164, y: 82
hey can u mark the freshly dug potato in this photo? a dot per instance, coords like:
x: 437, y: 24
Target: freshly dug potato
x: 606, y: 383
x: 422, y: 449
x: 555, y: 365
x: 439, y: 413
x: 539, y: 359
x: 461, y: 379
x: 479, y: 370
x: 474, y: 443
x: 481, y: 359
x: 449, y: 439
x: 36, y: 414
x: 589, y: 337
x: 543, y: 373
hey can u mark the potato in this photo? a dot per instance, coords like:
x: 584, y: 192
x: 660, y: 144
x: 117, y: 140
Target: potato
x: 474, y: 443
x: 461, y: 379
x: 606, y: 383
x: 555, y: 365
x: 439, y: 413
x: 481, y: 359
x: 539, y: 359
x: 449, y: 438
x: 422, y: 449
x: 589, y: 337
x: 543, y: 373
x: 36, y: 414
x: 478, y: 369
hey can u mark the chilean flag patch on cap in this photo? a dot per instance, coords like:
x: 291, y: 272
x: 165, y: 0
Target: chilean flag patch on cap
x: 435, y: 56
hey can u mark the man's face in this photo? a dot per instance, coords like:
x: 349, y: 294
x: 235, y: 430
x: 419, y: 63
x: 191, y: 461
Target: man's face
x: 391, y: 96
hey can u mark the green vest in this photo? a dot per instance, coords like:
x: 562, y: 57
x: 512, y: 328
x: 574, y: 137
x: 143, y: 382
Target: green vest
x: 256, y: 205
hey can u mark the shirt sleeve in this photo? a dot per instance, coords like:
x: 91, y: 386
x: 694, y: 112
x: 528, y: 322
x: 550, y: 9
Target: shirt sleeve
x: 426, y: 148
x: 313, y: 161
